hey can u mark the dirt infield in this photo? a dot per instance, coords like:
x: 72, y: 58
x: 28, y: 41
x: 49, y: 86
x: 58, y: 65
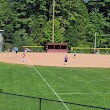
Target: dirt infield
x: 57, y: 59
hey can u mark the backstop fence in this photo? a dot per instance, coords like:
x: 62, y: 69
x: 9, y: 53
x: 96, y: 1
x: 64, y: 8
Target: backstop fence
x: 9, y: 101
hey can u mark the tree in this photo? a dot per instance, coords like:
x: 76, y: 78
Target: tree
x: 29, y: 22
x: 99, y: 21
x: 8, y: 21
x: 59, y: 31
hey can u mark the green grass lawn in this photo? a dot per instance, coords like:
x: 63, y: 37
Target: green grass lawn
x: 90, y: 86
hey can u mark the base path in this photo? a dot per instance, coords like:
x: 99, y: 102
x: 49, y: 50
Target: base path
x: 57, y: 59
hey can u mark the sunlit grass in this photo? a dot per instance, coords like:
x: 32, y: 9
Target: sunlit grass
x: 90, y: 86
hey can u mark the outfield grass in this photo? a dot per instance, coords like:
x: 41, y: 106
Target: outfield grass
x: 90, y: 86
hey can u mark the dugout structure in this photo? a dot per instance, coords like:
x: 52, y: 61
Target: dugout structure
x: 57, y: 47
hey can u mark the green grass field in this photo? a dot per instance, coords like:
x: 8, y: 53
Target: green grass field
x: 90, y: 86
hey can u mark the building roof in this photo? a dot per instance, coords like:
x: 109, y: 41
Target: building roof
x: 58, y: 43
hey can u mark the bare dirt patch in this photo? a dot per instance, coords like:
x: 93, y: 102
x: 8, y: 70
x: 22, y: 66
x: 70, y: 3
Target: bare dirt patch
x: 57, y: 59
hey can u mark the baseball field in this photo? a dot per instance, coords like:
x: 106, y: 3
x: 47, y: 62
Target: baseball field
x: 84, y: 80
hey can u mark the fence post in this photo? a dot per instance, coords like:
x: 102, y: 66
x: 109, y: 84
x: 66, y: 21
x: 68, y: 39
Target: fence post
x: 40, y: 106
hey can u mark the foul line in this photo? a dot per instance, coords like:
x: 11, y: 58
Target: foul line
x: 48, y: 84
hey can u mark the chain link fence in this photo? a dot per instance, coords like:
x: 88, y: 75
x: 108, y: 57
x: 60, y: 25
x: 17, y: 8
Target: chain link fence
x: 10, y: 101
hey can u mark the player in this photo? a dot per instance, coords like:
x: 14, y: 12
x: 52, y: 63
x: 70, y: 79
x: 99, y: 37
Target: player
x: 16, y: 50
x: 66, y: 59
x: 74, y: 54
x: 23, y: 57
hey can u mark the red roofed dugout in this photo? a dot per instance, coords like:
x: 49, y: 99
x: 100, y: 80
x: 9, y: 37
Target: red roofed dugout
x: 57, y: 47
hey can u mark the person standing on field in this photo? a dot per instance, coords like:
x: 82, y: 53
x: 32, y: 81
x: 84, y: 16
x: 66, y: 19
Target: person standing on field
x: 16, y: 50
x: 74, y: 54
x: 66, y: 59
x: 23, y: 57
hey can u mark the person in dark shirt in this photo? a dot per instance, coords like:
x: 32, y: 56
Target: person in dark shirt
x: 66, y: 59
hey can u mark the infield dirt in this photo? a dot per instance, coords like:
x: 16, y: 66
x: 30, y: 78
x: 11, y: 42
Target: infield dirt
x: 57, y: 59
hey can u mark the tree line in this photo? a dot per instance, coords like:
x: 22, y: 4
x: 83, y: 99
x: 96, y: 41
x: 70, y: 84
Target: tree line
x: 29, y: 22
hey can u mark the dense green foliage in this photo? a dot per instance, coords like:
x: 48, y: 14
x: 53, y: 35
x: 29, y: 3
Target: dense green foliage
x: 89, y: 86
x: 29, y: 22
